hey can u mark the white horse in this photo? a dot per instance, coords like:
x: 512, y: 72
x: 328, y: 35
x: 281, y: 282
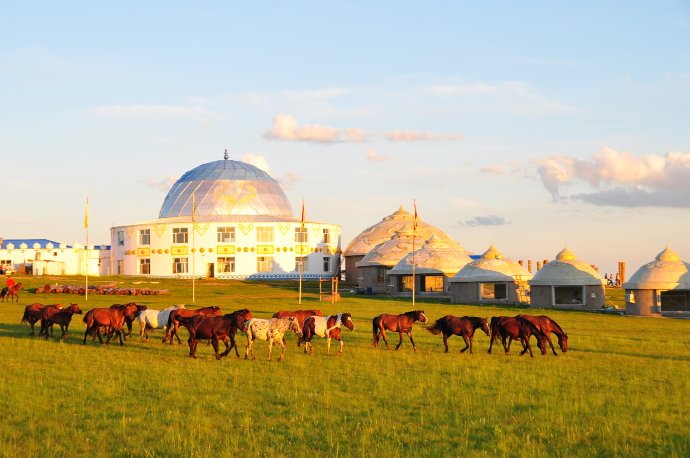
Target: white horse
x: 271, y: 330
x: 155, y: 319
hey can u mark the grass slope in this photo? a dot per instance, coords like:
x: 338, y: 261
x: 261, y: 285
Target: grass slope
x: 621, y: 390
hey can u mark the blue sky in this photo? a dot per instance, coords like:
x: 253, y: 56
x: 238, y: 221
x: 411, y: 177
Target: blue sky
x: 530, y: 125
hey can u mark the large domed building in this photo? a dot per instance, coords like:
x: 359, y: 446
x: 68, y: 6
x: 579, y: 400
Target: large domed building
x: 227, y: 219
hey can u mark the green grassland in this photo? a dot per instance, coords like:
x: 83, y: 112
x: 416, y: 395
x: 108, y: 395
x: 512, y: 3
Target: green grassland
x: 622, y: 389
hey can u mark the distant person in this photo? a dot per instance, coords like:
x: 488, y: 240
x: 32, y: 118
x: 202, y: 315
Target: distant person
x: 10, y: 282
x: 618, y: 279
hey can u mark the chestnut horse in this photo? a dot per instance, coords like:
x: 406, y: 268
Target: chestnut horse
x: 301, y: 315
x: 182, y: 315
x: 464, y: 327
x: 62, y: 317
x: 216, y: 328
x: 128, y: 321
x: 515, y: 328
x: 112, y: 320
x: 34, y: 312
x: 402, y: 324
x: 11, y: 291
x: 546, y: 326
x: 327, y: 327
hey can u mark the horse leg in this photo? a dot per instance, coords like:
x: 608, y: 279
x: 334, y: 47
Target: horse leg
x: 270, y: 347
x: 340, y: 352
x: 227, y: 347
x: 382, y: 331
x: 399, y: 343
x: 214, y: 342
x: 548, y: 339
x: 282, y: 344
x: 409, y: 334
x: 177, y: 327
x: 328, y: 351
x: 468, y: 344
x: 233, y: 344
x: 506, y: 349
x: 445, y: 341
x: 86, y: 333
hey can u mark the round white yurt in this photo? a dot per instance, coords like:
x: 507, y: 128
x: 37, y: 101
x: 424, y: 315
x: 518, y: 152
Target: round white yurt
x: 382, y: 232
x: 491, y: 279
x: 567, y: 282
x: 434, y: 263
x: 660, y: 287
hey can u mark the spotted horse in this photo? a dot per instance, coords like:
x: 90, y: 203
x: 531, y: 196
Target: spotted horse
x: 327, y: 327
x: 272, y: 331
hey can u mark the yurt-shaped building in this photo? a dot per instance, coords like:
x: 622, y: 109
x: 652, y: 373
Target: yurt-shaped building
x: 567, y: 282
x: 660, y: 287
x: 491, y: 279
x: 430, y: 267
x: 382, y: 232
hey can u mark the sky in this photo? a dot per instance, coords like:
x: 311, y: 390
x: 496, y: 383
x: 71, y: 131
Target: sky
x: 529, y: 125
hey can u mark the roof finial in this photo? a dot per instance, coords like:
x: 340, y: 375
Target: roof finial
x: 225, y: 156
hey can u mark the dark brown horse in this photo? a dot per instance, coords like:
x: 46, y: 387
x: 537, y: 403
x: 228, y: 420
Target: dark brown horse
x: 516, y: 329
x: 183, y: 315
x: 129, y: 321
x: 301, y: 315
x: 402, y: 324
x: 62, y: 317
x: 464, y: 327
x: 546, y: 326
x: 34, y: 312
x: 111, y: 320
x: 11, y: 291
x: 216, y: 328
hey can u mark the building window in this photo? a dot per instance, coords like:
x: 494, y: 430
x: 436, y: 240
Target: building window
x: 145, y: 237
x: 226, y: 235
x: 494, y: 291
x: 405, y: 283
x: 179, y: 235
x: 264, y: 264
x: 326, y: 264
x: 674, y: 300
x: 120, y: 238
x: 264, y: 234
x: 226, y: 265
x: 180, y: 265
x: 381, y: 274
x: 145, y: 266
x: 568, y: 295
x: 301, y: 264
x: 327, y: 236
x: 432, y: 283
x: 301, y: 235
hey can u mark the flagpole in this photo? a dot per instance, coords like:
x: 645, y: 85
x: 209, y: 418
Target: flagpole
x: 193, y: 248
x: 86, y: 250
x: 414, y: 236
x: 301, y: 252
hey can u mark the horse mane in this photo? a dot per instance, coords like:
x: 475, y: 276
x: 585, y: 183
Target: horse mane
x: 557, y: 328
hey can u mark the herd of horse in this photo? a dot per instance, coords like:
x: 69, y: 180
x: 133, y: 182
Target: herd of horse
x: 210, y: 324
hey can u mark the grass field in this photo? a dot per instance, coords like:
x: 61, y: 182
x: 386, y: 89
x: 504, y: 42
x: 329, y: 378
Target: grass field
x: 622, y: 389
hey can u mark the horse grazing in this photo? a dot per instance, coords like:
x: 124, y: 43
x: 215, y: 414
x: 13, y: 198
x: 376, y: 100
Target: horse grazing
x: 34, y: 312
x: 112, y: 320
x: 516, y: 329
x: 63, y: 317
x: 327, y: 327
x: 464, y: 327
x: 128, y: 321
x: 182, y: 314
x: 273, y: 331
x: 11, y: 291
x: 216, y: 328
x: 155, y: 319
x: 402, y: 324
x: 546, y: 326
x: 301, y: 315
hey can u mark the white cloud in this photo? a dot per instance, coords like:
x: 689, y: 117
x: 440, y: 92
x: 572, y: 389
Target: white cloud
x: 288, y: 180
x: 495, y: 169
x: 163, y: 184
x: 412, y: 136
x: 623, y: 179
x: 374, y: 156
x: 489, y: 220
x: 257, y: 161
x: 286, y: 127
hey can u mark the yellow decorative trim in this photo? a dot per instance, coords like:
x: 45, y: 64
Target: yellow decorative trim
x: 130, y: 232
x: 210, y: 250
x: 201, y: 228
x: 284, y: 228
x: 245, y: 228
x: 160, y: 251
x: 143, y: 251
x: 179, y: 250
x: 224, y: 249
x: 159, y: 229
x: 202, y: 249
x: 316, y: 230
x: 302, y: 249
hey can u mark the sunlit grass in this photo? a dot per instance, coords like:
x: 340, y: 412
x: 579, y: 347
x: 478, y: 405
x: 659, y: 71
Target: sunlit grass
x: 621, y: 390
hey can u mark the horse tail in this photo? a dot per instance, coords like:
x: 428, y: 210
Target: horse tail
x: 435, y: 328
x: 375, y: 327
x: 25, y: 317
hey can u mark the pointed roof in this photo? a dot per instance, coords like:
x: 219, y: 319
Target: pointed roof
x: 491, y: 267
x: 388, y: 253
x: 567, y: 270
x: 667, y: 271
x: 436, y: 256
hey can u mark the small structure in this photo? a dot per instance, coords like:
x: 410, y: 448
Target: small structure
x: 567, y: 282
x: 434, y: 264
x: 490, y: 279
x: 660, y: 287
x: 48, y: 257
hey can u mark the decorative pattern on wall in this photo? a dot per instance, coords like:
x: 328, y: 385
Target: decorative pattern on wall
x: 159, y: 229
x: 284, y: 228
x: 201, y: 228
x: 130, y: 232
x: 143, y: 251
x: 264, y: 249
x: 245, y: 228
x: 225, y: 249
x: 179, y: 250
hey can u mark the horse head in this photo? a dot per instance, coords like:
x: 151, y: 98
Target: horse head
x: 484, y: 325
x: 563, y: 342
x: 294, y: 326
x: 346, y: 320
x: 420, y: 316
x: 74, y: 308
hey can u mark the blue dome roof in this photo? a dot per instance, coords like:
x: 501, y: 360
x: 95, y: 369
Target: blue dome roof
x: 226, y: 187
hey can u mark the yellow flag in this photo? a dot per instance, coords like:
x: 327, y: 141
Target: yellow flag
x: 86, y: 214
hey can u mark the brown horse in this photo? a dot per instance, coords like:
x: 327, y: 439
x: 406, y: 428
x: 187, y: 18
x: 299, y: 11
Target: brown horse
x: 62, y: 317
x: 182, y: 315
x: 464, y: 327
x: 128, y: 321
x: 34, y: 312
x: 402, y: 324
x: 216, y: 328
x: 546, y: 326
x: 516, y: 329
x: 327, y: 327
x: 301, y: 315
x: 11, y: 291
x: 111, y: 320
